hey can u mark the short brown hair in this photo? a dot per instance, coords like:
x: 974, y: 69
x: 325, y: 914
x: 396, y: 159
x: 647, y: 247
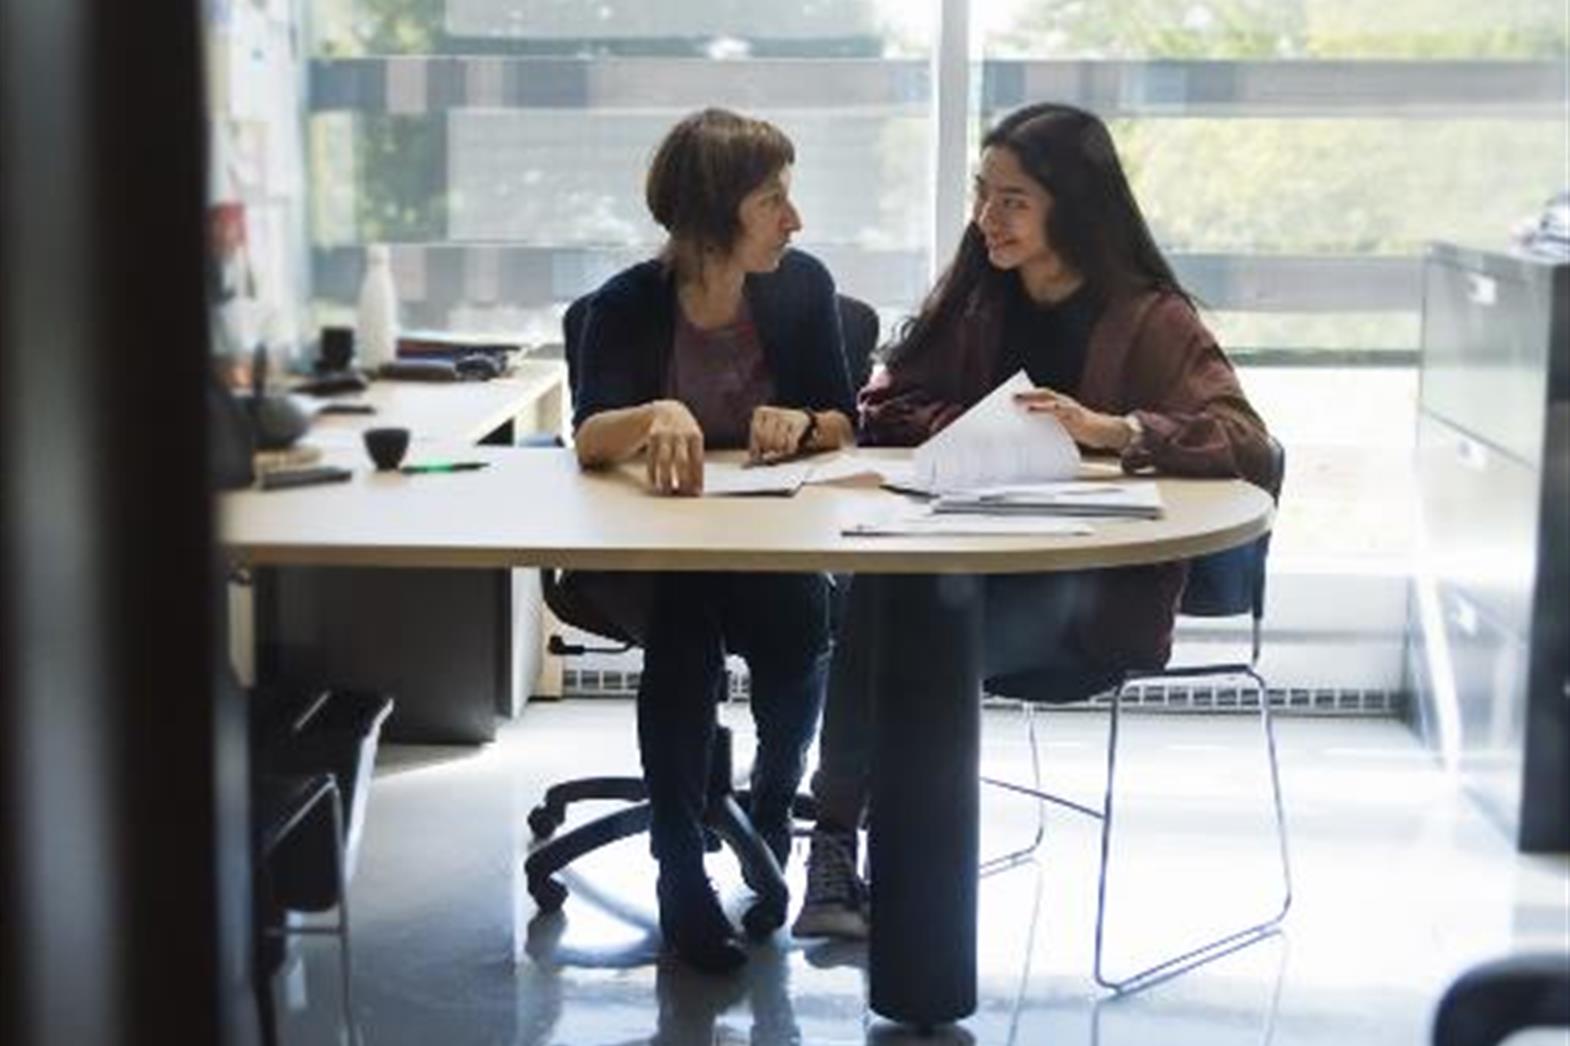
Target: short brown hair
x: 704, y: 168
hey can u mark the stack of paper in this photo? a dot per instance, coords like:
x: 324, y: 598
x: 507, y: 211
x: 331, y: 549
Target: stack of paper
x: 921, y: 520
x: 1129, y: 500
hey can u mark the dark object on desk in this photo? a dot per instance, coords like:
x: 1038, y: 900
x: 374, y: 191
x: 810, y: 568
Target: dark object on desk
x: 1492, y: 1001
x: 337, y: 350
x: 1223, y: 584
x: 418, y: 370
x: 232, y: 440
x: 333, y: 383
x: 283, y: 479
x: 276, y: 420
x: 477, y: 367
x: 444, y: 347
x: 347, y: 408
x: 386, y: 446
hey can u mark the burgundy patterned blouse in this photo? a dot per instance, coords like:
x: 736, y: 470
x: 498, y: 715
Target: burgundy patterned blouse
x: 721, y: 375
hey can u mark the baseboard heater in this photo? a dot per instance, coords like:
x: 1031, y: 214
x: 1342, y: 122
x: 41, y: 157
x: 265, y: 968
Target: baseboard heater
x: 1171, y: 697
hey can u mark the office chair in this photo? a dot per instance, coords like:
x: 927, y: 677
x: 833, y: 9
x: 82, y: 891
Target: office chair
x: 1492, y: 1001
x: 726, y: 815
x: 1222, y: 584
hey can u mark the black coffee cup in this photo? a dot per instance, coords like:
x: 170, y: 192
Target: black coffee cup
x: 337, y: 349
x: 386, y: 446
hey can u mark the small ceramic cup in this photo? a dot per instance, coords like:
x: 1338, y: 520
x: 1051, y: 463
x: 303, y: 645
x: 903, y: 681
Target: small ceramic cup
x: 386, y: 446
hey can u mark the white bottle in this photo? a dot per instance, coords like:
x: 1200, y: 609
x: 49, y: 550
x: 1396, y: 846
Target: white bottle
x: 376, y: 341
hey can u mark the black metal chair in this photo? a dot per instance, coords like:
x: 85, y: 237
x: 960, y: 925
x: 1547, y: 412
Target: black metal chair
x: 1492, y: 1001
x: 726, y: 814
x: 311, y: 755
x: 1222, y: 584
x: 297, y: 819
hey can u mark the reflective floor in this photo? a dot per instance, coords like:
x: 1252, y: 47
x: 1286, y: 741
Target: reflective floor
x: 1399, y: 884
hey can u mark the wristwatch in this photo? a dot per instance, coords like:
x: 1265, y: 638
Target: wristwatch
x: 806, y: 433
x: 1136, y: 431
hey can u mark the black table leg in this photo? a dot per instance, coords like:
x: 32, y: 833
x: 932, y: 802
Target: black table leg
x: 923, y: 845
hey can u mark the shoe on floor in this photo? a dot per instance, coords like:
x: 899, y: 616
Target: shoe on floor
x: 836, y: 901
x: 694, y: 925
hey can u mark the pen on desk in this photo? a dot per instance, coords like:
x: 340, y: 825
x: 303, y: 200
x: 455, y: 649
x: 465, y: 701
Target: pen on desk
x: 443, y: 466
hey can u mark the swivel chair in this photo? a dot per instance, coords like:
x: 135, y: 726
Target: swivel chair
x: 725, y: 816
x: 1222, y: 584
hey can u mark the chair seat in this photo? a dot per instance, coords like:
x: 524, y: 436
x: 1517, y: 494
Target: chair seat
x: 1046, y: 686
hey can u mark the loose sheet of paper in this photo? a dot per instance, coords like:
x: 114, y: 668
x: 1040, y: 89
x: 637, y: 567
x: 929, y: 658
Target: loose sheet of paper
x: 722, y: 479
x: 994, y: 442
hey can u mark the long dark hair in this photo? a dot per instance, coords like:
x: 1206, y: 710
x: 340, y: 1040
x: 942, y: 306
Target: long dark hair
x: 1095, y: 224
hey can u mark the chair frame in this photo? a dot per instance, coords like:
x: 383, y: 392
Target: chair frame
x: 1208, y: 950
x: 325, y: 786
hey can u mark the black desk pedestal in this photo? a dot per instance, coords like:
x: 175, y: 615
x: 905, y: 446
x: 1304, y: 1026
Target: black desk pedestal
x: 925, y: 796
x: 439, y: 641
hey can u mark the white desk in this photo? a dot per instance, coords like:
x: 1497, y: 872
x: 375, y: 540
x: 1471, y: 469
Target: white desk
x: 535, y: 508
x: 531, y: 397
x: 333, y: 625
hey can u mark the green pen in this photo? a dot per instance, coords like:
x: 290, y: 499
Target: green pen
x: 443, y: 466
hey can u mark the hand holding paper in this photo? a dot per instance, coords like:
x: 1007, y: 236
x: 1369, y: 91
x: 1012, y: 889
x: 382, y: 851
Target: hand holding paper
x: 997, y: 441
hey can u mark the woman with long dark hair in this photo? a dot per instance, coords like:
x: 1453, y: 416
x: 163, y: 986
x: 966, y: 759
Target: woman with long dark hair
x: 1057, y: 274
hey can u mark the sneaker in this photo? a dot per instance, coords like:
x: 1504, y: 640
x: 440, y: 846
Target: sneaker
x: 836, y: 901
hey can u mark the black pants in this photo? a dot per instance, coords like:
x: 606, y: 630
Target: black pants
x: 779, y: 624
x: 1030, y: 623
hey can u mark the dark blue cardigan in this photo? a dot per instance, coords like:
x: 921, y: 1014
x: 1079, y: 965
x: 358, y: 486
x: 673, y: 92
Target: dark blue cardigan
x: 623, y: 346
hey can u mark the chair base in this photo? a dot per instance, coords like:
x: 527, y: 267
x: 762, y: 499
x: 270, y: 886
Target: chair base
x: 725, y: 817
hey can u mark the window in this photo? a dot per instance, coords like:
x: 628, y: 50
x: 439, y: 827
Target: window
x: 500, y: 145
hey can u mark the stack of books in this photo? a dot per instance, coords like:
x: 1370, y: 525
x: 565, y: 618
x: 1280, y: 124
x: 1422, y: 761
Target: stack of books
x: 1135, y: 499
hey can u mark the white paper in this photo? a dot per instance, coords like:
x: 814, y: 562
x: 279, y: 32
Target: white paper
x: 921, y: 520
x: 845, y: 465
x: 996, y: 441
x: 721, y: 479
x: 1137, y: 499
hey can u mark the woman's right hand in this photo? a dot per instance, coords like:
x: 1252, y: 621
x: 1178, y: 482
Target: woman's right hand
x: 673, y: 449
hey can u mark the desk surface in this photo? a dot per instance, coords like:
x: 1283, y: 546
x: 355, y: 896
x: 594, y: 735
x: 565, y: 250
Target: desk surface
x: 535, y: 507
x: 452, y: 411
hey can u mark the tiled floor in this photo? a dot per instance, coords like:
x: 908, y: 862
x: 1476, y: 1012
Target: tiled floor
x: 1399, y: 885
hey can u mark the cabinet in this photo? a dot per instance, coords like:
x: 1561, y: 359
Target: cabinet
x: 1489, y: 637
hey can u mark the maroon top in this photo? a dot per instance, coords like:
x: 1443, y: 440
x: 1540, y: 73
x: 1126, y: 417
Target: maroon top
x: 721, y: 376
x: 1149, y: 355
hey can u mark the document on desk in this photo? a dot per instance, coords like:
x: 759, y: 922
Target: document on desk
x: 921, y: 520
x: 1131, y: 499
x: 996, y: 442
x: 723, y: 479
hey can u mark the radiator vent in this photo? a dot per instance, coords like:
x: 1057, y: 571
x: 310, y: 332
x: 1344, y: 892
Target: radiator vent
x: 1173, y: 697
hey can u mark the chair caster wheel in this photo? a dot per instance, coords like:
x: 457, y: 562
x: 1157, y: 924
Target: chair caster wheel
x: 549, y: 894
x: 543, y: 822
x: 763, y: 918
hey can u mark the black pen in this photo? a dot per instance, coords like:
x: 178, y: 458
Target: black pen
x: 443, y: 466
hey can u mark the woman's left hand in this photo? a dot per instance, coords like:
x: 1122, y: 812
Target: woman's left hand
x: 1088, y: 428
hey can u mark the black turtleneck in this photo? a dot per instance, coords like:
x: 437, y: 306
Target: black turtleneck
x: 1049, y: 341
